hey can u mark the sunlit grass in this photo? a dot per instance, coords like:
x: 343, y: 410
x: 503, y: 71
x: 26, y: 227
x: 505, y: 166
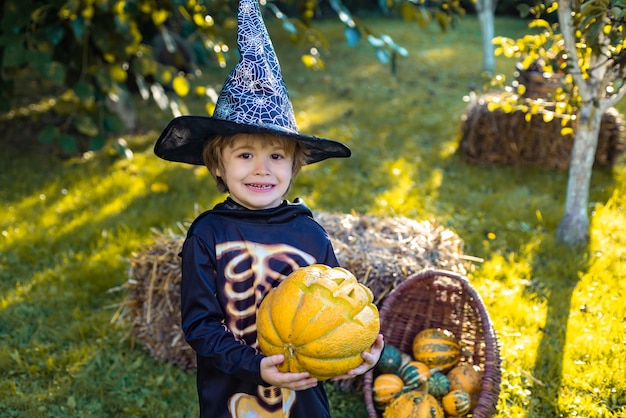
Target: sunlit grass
x: 68, y: 227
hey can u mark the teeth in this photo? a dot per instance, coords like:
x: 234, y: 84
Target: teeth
x: 261, y: 186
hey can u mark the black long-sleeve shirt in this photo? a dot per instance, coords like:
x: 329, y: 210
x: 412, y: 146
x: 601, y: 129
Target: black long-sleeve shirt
x: 231, y: 258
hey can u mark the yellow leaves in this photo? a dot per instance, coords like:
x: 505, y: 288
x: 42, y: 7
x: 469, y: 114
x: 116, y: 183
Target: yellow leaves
x: 199, y: 91
x: 203, y: 21
x: 181, y: 86
x: 159, y: 17
x: 567, y: 131
x: 553, y: 7
x: 210, y: 108
x: 539, y: 23
x: 119, y: 7
x: 165, y: 76
x: 108, y: 57
x: 118, y: 73
x: 313, y: 63
x: 88, y: 12
x: 506, y: 107
x: 507, y: 47
x: 528, y: 116
x: 492, y: 106
x: 548, y: 116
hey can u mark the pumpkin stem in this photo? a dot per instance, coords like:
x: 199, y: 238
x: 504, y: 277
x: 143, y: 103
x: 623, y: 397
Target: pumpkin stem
x: 435, y: 370
x: 425, y: 387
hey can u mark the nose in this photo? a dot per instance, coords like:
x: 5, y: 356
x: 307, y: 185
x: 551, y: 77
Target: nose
x: 262, y: 166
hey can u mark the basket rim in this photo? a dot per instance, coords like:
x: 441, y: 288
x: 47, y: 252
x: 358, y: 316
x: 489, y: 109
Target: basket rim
x: 490, y: 385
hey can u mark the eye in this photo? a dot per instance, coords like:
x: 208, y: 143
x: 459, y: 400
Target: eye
x: 245, y: 155
x: 277, y: 156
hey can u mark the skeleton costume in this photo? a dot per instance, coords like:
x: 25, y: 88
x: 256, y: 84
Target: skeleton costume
x: 232, y: 255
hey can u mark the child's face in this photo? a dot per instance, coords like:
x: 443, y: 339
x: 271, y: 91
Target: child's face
x: 257, y: 172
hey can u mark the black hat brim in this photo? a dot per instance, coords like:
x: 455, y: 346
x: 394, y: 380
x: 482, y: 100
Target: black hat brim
x: 184, y: 137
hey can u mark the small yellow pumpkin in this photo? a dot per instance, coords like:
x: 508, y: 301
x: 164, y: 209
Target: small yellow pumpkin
x: 466, y: 378
x: 321, y: 319
x: 456, y: 403
x: 437, y: 348
x: 385, y: 387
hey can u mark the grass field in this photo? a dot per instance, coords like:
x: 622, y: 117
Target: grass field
x: 68, y: 227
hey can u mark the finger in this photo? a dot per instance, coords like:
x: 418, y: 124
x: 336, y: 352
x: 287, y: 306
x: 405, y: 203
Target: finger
x: 301, y: 383
x: 275, y: 360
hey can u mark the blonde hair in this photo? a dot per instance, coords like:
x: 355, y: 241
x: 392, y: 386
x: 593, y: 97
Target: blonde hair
x: 213, y: 147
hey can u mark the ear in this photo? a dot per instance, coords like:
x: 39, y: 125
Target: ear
x: 217, y: 172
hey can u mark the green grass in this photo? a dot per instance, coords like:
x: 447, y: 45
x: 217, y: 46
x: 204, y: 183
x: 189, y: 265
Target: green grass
x: 69, y: 226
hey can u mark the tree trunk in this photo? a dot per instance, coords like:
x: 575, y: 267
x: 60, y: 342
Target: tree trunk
x: 485, y: 11
x: 574, y: 226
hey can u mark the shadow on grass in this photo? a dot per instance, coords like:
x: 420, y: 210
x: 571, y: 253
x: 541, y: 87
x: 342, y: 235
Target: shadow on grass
x: 557, y: 287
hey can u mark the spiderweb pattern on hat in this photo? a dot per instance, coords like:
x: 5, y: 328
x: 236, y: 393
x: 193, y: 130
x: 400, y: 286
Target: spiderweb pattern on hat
x: 254, y: 92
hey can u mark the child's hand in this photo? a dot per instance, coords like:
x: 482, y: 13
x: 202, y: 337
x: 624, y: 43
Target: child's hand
x: 294, y: 381
x: 370, y: 358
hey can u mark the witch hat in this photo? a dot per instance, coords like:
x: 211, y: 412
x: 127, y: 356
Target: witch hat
x: 254, y: 100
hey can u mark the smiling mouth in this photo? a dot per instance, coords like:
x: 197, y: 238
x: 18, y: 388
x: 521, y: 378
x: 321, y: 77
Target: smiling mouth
x: 260, y: 186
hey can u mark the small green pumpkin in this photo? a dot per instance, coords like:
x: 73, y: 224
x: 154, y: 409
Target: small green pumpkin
x: 411, y: 376
x: 438, y: 385
x: 390, y: 360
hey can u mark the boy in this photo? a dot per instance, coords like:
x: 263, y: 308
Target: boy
x: 236, y: 252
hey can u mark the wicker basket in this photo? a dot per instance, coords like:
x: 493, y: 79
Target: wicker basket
x: 442, y: 299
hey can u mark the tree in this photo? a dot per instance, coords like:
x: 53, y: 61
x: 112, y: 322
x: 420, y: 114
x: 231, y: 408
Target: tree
x: 593, y: 35
x: 587, y: 47
x: 486, y: 15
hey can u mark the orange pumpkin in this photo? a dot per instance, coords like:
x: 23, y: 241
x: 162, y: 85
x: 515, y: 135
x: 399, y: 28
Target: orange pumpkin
x: 321, y: 319
x: 385, y: 387
x: 404, y: 405
x: 414, y: 404
x: 429, y: 408
x: 464, y: 377
x: 423, y: 369
x: 437, y: 348
x: 456, y: 403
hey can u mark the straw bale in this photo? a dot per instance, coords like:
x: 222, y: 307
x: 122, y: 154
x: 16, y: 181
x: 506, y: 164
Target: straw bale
x: 495, y: 137
x: 383, y: 251
x: 380, y: 252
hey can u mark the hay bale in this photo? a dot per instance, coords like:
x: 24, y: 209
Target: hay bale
x: 152, y: 304
x: 538, y: 84
x: 380, y: 252
x: 507, y: 138
x: 383, y: 251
